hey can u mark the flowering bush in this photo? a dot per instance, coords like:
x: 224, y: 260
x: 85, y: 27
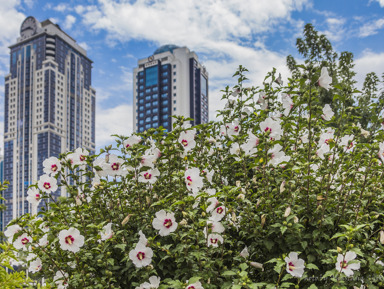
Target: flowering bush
x: 284, y: 192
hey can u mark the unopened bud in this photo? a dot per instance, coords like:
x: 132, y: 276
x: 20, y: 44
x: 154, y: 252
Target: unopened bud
x: 282, y: 187
x: 287, y: 212
x: 184, y: 213
x: 244, y: 253
x: 263, y: 218
x: 257, y: 265
x: 382, y: 237
x: 254, y: 179
x: 148, y: 200
x: 258, y: 202
x: 339, y: 250
x: 234, y: 218
x: 241, y: 196
x: 126, y: 219
x: 183, y: 222
x: 78, y: 201
x: 295, y: 219
x: 238, y: 183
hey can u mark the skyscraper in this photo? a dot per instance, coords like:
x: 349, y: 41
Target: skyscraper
x: 169, y: 82
x: 49, y: 106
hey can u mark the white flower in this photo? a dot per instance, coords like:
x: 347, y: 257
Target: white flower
x: 61, y: 280
x: 244, y: 253
x: 143, y: 240
x: 263, y: 100
x: 272, y: 127
x: 347, y: 143
x: 149, y: 176
x: 327, y: 112
x: 71, y: 240
x: 196, y: 285
x: 213, y: 227
x: 213, y: 203
x: 187, y: 139
x: 22, y: 242
x: 249, y: 147
x: 79, y: 156
x: 34, y: 197
x: 287, y: 212
x: 193, y: 180
x: 343, y: 266
x: 214, y: 239
x: 106, y: 232
x: 131, y: 141
x: 164, y: 222
x: 325, y: 80
x: 51, y: 166
x: 115, y: 166
x: 381, y: 151
x: 154, y: 283
x: 235, y: 149
x: 287, y: 103
x: 279, y: 80
x: 233, y: 128
x: 47, y: 184
x: 295, y: 266
x: 148, y: 160
x: 218, y: 213
x: 277, y: 155
x: 209, y: 175
x: 43, y: 241
x: 11, y: 231
x: 141, y: 256
x: 381, y: 237
x: 35, y: 266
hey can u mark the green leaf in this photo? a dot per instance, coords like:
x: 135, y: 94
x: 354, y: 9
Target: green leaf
x: 312, y: 266
x: 228, y: 273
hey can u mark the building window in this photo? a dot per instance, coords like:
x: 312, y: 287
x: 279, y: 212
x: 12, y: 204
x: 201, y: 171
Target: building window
x: 155, y: 110
x: 147, y: 126
x: 164, y: 81
x: 148, y: 119
x: 165, y: 123
x: 141, y: 101
x: 155, y: 118
x: 165, y: 116
x: 155, y: 103
x: 151, y: 76
x: 165, y: 73
x: 148, y: 90
x: 141, y: 114
x: 155, y: 124
x: 165, y: 109
x: 154, y: 96
x: 165, y: 87
x: 148, y: 111
x: 141, y: 108
x: 154, y: 89
x: 141, y: 121
x: 164, y: 95
x: 148, y: 98
x: 148, y: 104
x: 165, y: 102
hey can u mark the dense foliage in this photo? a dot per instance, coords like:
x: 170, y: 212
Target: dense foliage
x: 284, y: 192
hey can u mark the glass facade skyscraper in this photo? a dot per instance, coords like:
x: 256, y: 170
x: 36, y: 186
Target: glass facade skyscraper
x: 49, y: 106
x: 169, y: 82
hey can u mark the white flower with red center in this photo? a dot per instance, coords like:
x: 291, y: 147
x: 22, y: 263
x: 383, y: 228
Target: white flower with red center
x: 325, y: 80
x: 149, y: 177
x: 164, y: 222
x: 196, y: 285
x: 51, y: 166
x: 47, y: 184
x: 223, y: 130
x: 272, y: 128
x: 208, y: 174
x: 141, y: 256
x: 277, y: 155
x: 295, y: 266
x: 347, y: 143
x: 106, y: 233
x: 218, y: 213
x: 287, y: 103
x: 34, y: 197
x: 214, y: 240
x: 35, y: 266
x: 154, y: 283
x: 79, y: 156
x: 343, y: 264
x: 233, y: 128
x: 11, y: 231
x: 61, y: 280
x: 249, y: 147
x: 114, y: 166
x: 327, y: 112
x: 71, y: 240
x: 193, y: 180
x: 22, y: 242
x: 131, y: 141
x: 213, y: 203
x: 187, y: 139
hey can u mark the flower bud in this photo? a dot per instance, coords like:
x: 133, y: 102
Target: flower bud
x: 295, y: 219
x: 382, y: 237
x: 184, y: 214
x: 148, y: 200
x: 287, y: 212
x: 263, y: 218
x: 238, y: 183
x: 234, y: 218
x: 126, y: 219
x: 257, y: 265
x: 241, y: 196
x: 339, y: 250
x: 183, y: 222
x: 282, y: 187
x: 244, y: 253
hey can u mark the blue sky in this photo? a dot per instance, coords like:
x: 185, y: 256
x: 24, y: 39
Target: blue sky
x: 258, y: 34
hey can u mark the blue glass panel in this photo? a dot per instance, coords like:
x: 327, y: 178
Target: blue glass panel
x: 151, y: 76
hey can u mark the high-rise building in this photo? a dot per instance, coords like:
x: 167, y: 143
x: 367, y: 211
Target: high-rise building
x: 169, y: 82
x: 49, y: 106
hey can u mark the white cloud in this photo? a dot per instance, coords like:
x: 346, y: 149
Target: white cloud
x: 335, y: 28
x: 371, y: 28
x: 69, y: 21
x: 29, y: 3
x: 381, y: 2
x: 84, y: 45
x: 62, y: 7
x: 54, y: 20
x: 115, y: 120
x: 369, y: 62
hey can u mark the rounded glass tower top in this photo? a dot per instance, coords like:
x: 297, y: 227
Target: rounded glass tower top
x: 165, y: 48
